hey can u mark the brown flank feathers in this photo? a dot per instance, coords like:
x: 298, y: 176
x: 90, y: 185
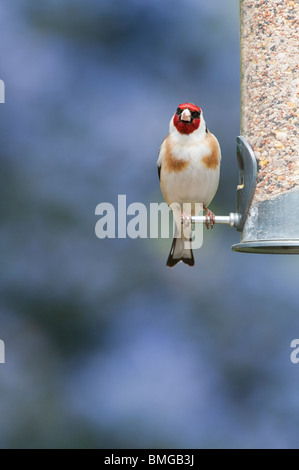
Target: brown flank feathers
x: 172, y: 164
x: 211, y: 161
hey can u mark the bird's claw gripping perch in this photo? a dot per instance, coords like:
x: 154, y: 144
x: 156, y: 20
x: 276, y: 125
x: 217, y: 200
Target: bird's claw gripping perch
x: 210, y: 218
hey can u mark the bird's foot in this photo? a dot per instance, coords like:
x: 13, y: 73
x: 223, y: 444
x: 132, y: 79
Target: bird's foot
x: 186, y: 219
x: 210, y: 218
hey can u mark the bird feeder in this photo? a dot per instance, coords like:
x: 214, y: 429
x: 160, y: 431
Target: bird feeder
x: 267, y: 150
x: 269, y: 78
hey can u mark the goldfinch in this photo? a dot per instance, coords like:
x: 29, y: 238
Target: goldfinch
x: 188, y: 168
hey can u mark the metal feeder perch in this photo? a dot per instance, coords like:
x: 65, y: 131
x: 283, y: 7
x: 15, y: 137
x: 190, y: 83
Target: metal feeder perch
x: 268, y: 157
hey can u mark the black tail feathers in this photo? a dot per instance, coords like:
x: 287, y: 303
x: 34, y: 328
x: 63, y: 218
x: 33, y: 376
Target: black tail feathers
x: 179, y: 252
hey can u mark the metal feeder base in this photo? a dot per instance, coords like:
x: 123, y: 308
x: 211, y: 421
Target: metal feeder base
x: 275, y: 247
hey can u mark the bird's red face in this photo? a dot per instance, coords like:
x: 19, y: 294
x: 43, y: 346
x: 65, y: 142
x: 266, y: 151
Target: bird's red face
x: 187, y: 118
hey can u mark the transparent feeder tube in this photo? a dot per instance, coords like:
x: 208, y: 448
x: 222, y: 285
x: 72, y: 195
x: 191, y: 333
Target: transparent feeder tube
x: 269, y: 121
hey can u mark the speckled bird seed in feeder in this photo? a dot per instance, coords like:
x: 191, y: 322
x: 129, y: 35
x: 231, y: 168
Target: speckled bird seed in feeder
x: 269, y: 92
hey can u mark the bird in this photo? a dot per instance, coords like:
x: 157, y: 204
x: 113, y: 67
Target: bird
x: 189, y: 169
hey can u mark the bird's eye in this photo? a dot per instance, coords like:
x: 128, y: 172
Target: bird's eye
x: 196, y: 114
x: 178, y: 111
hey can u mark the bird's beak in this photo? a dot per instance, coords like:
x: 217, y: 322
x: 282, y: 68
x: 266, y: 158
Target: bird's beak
x: 186, y: 115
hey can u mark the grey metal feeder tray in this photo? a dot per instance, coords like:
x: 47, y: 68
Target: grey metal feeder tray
x: 268, y: 227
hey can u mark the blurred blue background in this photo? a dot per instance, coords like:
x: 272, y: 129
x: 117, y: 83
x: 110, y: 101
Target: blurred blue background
x: 105, y: 346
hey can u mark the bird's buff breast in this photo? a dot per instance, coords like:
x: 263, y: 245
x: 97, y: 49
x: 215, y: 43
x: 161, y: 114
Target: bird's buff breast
x: 193, y: 183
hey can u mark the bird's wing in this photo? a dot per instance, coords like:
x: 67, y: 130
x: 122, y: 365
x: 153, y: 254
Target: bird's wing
x: 159, y: 171
x: 160, y: 157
